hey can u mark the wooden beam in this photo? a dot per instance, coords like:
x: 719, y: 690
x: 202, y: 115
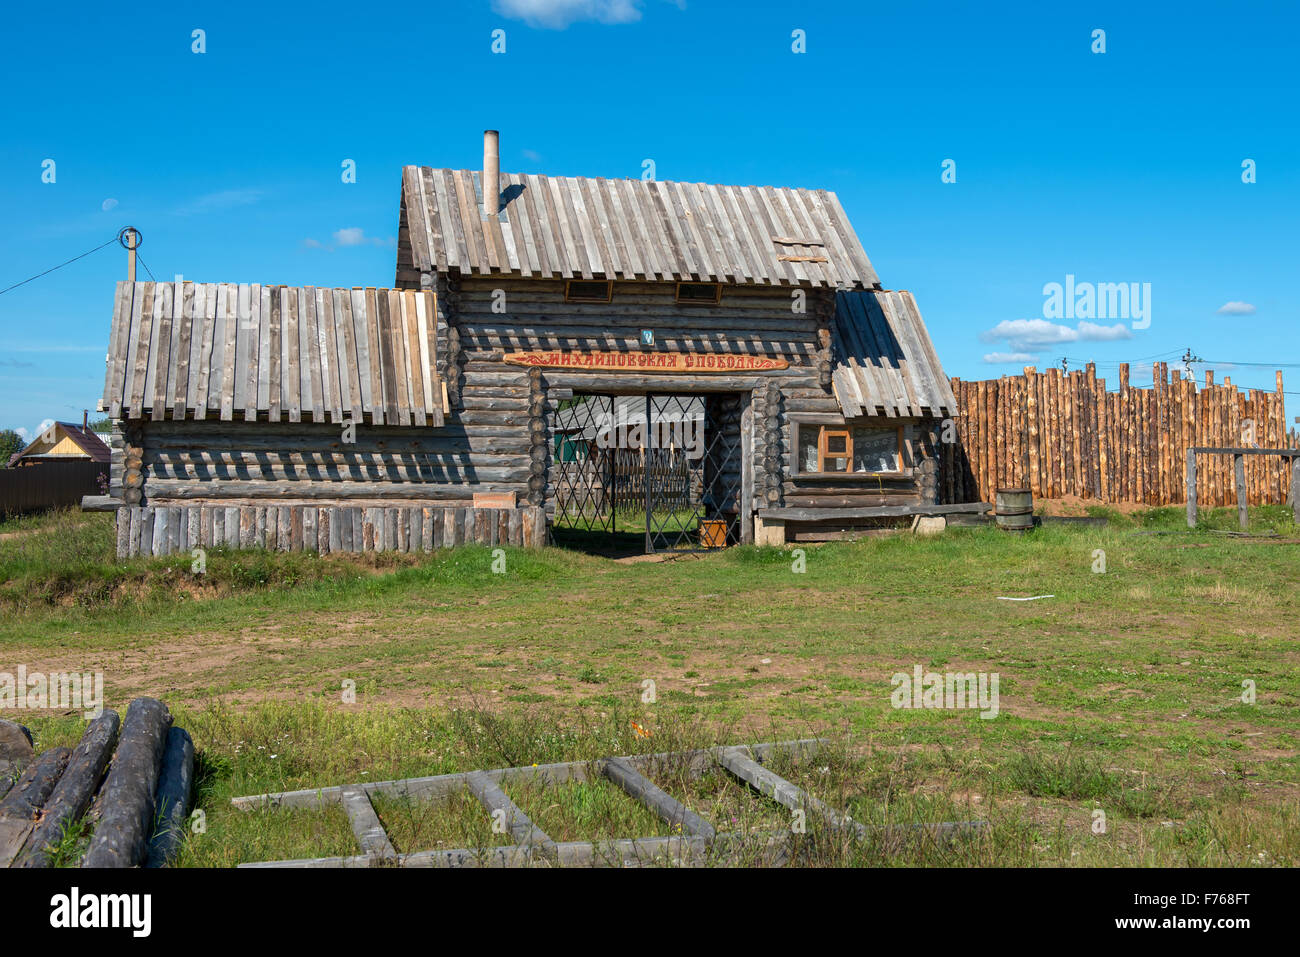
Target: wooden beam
x: 1191, y: 488
x: 656, y: 799
x: 1235, y: 450
x: 441, y: 786
x: 366, y: 826
x: 782, y: 791
x: 497, y: 802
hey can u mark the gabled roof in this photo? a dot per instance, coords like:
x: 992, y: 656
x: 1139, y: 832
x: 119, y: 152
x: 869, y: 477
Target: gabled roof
x: 885, y: 363
x: 84, y: 439
x: 221, y: 350
x: 578, y: 228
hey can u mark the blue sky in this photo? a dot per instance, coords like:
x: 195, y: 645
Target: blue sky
x: 1122, y: 166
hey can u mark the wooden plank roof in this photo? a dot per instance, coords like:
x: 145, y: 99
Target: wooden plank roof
x: 227, y: 350
x: 579, y: 228
x: 885, y: 363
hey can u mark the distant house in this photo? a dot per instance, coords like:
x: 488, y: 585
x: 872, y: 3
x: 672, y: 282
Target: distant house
x: 63, y: 442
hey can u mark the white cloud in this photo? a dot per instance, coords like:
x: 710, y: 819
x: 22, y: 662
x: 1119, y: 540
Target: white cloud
x: 1030, y: 335
x: 108, y: 204
x: 349, y: 236
x: 558, y: 14
x: 1235, y: 308
x: 1001, y: 358
x: 532, y: 155
x: 30, y: 436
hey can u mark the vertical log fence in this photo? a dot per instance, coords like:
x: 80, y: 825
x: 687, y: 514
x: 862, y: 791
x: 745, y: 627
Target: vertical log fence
x: 1065, y: 434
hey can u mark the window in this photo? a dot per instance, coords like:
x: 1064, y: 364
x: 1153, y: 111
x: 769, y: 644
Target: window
x: 584, y: 290
x: 699, y: 292
x: 829, y: 449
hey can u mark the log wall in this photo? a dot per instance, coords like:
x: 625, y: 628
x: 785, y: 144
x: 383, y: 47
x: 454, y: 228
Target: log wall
x: 1068, y: 435
x: 499, y: 418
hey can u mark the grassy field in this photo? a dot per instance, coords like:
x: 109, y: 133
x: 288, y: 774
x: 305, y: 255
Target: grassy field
x: 1122, y: 693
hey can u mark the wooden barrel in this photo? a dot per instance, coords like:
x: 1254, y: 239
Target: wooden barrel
x: 1014, y: 509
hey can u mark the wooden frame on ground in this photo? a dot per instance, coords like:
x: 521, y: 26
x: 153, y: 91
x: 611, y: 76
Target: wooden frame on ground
x: 696, y: 841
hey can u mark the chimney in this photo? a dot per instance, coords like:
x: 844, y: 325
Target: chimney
x: 491, y: 172
x: 85, y: 419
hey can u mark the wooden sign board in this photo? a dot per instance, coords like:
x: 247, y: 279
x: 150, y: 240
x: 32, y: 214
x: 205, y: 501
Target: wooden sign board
x: 494, y: 499
x: 693, y: 363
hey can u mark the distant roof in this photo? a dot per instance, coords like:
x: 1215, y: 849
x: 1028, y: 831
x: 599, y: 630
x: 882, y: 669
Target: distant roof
x: 84, y: 439
x: 222, y: 350
x: 885, y: 363
x: 579, y: 228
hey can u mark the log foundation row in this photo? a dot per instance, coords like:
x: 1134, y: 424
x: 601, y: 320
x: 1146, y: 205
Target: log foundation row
x: 172, y: 530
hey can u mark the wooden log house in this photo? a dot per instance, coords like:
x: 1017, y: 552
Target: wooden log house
x: 424, y: 415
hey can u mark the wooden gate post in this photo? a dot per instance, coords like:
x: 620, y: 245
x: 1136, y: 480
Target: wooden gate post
x: 1191, y: 488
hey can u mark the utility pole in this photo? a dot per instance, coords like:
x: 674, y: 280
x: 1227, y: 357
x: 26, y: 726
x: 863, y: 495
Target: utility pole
x: 132, y: 241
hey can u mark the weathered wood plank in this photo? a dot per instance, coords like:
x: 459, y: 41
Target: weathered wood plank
x: 669, y: 809
x: 365, y: 823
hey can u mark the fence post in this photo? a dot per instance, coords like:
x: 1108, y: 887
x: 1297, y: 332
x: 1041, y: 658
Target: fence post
x: 1191, y: 488
x: 1239, y: 474
x: 1295, y: 488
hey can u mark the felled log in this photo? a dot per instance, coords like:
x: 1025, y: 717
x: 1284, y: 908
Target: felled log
x: 20, y: 807
x: 172, y: 802
x: 122, y: 836
x: 72, y: 795
x: 15, y: 753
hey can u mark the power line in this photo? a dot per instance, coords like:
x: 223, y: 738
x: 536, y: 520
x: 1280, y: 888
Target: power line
x: 59, y: 266
x: 146, y: 268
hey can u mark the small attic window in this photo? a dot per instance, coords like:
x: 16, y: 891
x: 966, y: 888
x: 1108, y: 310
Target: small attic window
x: 699, y: 292
x: 584, y: 290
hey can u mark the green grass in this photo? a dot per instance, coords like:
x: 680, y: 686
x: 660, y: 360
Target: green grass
x: 1121, y: 694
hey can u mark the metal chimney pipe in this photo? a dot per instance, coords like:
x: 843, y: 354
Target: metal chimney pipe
x: 491, y: 172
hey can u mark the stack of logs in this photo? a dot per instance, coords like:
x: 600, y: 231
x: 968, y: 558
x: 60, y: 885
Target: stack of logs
x: 135, y: 787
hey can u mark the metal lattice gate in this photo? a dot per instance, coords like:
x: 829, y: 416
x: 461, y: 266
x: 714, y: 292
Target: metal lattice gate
x: 665, y: 468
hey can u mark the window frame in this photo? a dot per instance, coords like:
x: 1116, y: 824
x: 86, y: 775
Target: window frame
x: 823, y: 428
x: 717, y: 293
x: 570, y: 297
